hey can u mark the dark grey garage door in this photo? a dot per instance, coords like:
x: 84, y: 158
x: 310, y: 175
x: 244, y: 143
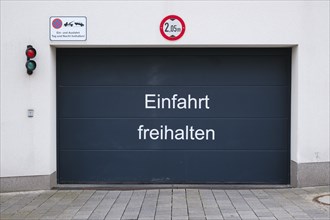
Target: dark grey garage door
x: 173, y: 115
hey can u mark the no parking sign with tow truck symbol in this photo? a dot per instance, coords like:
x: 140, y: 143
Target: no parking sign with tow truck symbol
x: 68, y: 28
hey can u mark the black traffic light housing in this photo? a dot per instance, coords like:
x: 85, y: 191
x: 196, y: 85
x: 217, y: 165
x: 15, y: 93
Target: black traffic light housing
x: 30, y: 64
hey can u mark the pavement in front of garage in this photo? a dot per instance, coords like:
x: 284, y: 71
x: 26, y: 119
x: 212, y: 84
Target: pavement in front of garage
x: 166, y: 204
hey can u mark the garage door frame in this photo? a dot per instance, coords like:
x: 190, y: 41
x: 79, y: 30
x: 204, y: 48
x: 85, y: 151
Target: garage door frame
x: 289, y: 119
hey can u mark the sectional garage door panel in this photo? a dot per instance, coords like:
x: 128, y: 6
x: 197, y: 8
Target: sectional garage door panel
x: 112, y: 127
x: 121, y: 134
x: 225, y: 101
x: 173, y: 166
x: 159, y: 67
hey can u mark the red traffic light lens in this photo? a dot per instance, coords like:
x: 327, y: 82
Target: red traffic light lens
x: 31, y: 52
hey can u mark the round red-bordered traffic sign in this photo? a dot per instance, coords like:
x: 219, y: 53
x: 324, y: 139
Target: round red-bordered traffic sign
x: 57, y: 23
x: 172, y: 27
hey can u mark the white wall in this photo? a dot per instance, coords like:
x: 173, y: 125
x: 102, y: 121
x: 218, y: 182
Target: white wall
x: 28, y: 145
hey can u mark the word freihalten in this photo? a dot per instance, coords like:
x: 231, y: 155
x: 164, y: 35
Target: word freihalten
x: 155, y: 101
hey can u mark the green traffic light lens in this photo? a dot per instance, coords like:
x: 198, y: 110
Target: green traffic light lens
x: 31, y: 65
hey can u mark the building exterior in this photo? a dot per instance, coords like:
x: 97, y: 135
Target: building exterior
x: 241, y: 97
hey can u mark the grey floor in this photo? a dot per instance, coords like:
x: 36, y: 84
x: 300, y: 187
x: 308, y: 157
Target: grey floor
x: 166, y: 204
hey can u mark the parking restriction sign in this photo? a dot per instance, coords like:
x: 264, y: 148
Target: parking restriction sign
x: 57, y: 23
x: 172, y: 27
x: 68, y: 28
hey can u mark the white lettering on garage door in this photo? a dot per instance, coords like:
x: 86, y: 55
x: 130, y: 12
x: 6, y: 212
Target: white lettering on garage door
x: 156, y: 101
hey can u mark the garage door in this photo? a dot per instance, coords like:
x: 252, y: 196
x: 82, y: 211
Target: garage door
x: 173, y: 115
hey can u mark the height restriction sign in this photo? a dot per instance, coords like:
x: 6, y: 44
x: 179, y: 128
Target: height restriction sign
x: 172, y: 27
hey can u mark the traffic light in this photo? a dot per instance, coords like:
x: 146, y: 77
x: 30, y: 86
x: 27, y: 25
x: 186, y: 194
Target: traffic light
x: 30, y: 64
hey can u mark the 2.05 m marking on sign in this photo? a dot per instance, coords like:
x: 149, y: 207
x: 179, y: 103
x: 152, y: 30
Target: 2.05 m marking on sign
x: 172, y: 27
